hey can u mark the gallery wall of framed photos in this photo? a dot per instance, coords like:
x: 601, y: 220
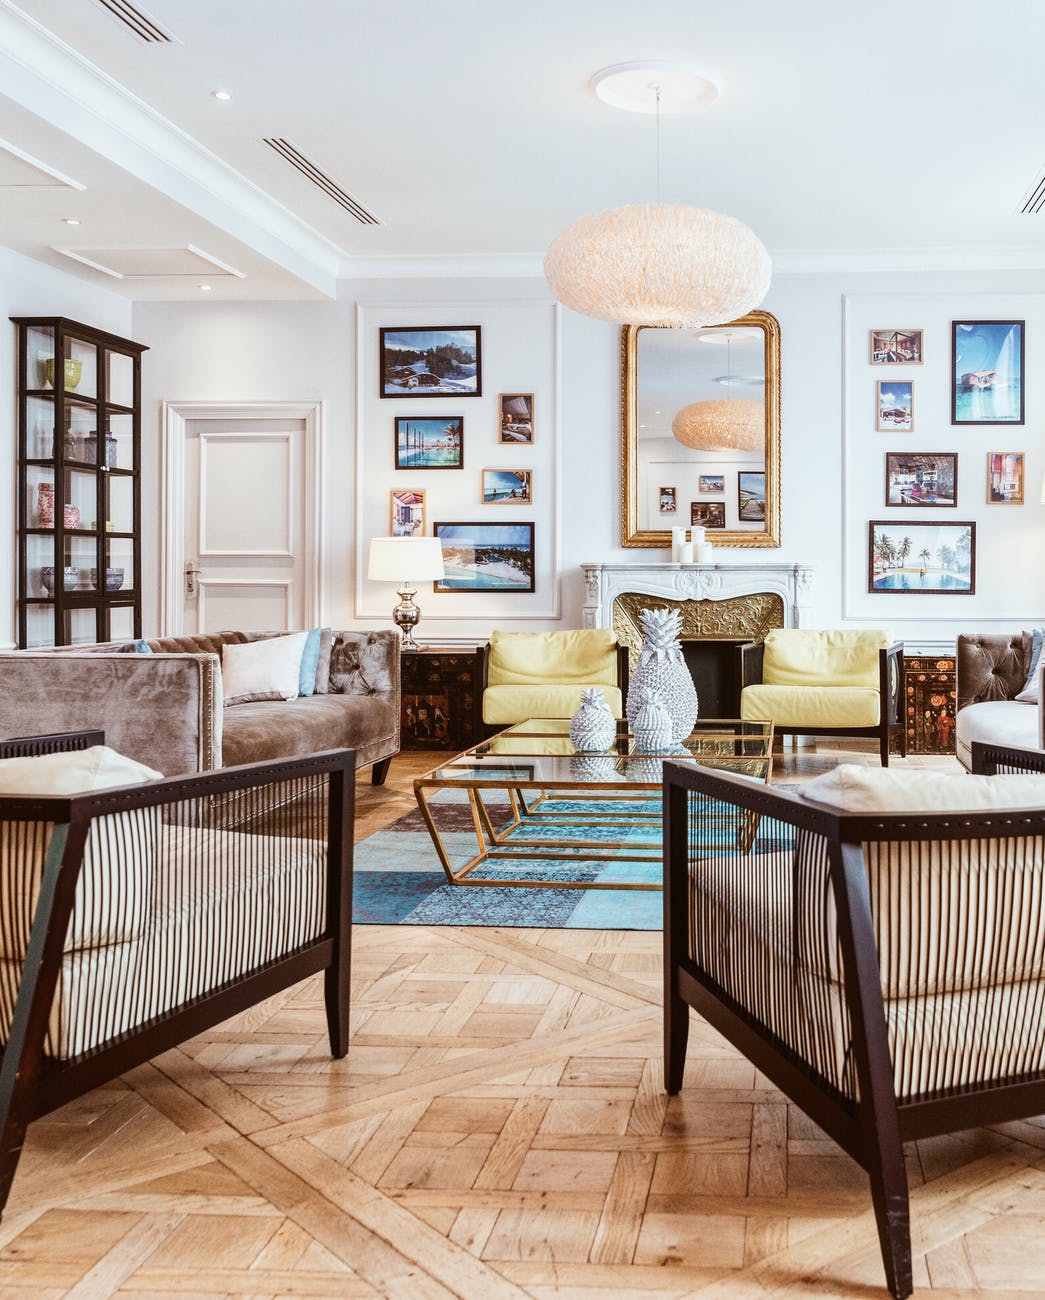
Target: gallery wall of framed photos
x: 943, y: 459
x: 457, y: 417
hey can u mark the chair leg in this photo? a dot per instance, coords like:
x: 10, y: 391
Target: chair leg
x: 676, y: 1038
x: 379, y: 771
x: 337, y: 996
x: 883, y: 744
x: 892, y: 1215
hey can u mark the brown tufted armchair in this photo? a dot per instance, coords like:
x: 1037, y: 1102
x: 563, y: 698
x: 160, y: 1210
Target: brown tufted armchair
x: 990, y: 672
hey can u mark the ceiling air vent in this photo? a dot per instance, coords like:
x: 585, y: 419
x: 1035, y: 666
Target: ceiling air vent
x: 329, y: 187
x: 138, y: 21
x: 1035, y: 200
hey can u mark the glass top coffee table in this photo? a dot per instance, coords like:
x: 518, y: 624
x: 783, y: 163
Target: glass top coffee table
x: 560, y: 806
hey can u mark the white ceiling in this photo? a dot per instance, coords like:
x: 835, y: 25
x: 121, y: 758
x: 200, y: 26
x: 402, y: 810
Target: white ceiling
x: 840, y: 130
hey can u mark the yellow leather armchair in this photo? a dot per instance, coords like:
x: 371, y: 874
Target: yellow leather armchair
x: 827, y: 683
x: 542, y: 674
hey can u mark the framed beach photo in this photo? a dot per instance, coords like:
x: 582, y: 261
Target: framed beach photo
x: 429, y: 442
x: 486, y: 557
x: 895, y: 347
x: 516, y: 417
x: 895, y: 406
x: 669, y: 500
x: 431, y: 361
x: 987, y: 371
x: 711, y: 483
x: 905, y: 555
x: 711, y: 514
x: 507, y: 487
x: 925, y: 478
x: 1005, y: 478
x: 751, y: 496
x: 408, y: 512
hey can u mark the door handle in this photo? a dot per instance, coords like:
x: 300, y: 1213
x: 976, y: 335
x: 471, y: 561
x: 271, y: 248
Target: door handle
x: 192, y: 572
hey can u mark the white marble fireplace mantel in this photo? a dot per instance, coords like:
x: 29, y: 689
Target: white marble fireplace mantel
x: 605, y: 582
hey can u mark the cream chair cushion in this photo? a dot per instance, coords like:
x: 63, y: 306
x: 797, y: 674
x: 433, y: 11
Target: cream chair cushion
x: 514, y: 703
x: 812, y: 706
x: 855, y: 789
x: 996, y: 722
x: 542, y: 674
x: 836, y: 657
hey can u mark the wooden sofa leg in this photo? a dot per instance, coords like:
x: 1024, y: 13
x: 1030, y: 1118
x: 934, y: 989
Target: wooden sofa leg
x: 379, y: 771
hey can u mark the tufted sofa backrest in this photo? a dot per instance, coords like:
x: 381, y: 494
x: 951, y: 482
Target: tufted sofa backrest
x: 991, y: 667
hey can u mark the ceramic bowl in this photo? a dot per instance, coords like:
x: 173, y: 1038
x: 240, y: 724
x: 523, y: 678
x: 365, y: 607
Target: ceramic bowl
x: 73, y: 371
x: 113, y: 579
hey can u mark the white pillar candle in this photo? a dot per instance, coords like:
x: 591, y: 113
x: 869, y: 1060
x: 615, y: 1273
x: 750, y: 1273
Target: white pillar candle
x: 706, y: 555
x: 687, y: 553
x: 678, y: 536
x: 697, y: 533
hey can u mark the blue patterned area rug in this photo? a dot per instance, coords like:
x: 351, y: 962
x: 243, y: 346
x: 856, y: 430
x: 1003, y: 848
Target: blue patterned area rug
x: 399, y: 881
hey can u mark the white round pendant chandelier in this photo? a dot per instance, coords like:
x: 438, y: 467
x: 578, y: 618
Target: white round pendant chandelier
x: 658, y: 263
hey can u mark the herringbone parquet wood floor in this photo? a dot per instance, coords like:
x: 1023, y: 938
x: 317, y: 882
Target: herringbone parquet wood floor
x: 499, y: 1129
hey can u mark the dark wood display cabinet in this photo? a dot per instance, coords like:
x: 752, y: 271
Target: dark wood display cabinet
x: 79, y: 483
x: 440, y: 698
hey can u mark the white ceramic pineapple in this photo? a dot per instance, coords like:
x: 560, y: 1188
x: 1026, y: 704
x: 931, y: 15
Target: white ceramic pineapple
x: 593, y: 727
x: 663, y: 669
x: 652, y: 725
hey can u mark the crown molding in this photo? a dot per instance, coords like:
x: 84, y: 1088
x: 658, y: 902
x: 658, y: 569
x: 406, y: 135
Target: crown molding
x: 52, y: 80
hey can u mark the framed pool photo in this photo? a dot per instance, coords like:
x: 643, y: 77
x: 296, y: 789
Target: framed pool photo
x: 906, y: 555
x: 431, y: 361
x: 486, y: 557
x: 987, y: 371
x: 429, y: 442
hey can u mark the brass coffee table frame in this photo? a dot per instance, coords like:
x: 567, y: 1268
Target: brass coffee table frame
x: 500, y: 764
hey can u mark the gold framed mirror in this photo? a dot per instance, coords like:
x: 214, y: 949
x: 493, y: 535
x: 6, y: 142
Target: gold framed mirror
x: 700, y: 432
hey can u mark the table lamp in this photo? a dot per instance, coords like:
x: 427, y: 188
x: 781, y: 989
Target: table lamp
x: 405, y: 561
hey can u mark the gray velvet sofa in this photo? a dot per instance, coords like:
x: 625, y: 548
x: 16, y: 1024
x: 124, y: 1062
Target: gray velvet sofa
x: 990, y: 672
x: 165, y: 708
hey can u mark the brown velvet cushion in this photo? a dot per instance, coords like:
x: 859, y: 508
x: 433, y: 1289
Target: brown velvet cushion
x: 359, y: 666
x: 326, y: 646
x: 291, y: 728
x: 196, y: 645
x: 991, y: 667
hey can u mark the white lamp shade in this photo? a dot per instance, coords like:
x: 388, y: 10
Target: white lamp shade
x: 398, y: 559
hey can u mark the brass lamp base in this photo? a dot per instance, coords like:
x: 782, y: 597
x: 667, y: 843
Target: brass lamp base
x: 406, y: 617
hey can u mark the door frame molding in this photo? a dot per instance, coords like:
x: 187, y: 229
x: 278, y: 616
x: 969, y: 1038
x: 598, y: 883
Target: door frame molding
x: 174, y: 420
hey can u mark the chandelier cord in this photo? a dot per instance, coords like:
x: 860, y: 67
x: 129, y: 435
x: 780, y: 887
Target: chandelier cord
x: 657, y: 90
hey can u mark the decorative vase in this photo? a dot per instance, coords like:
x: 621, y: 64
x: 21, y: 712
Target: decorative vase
x: 593, y: 727
x: 663, y: 669
x: 90, y: 447
x: 47, y: 579
x: 71, y: 518
x: 653, y: 725
x: 45, y: 505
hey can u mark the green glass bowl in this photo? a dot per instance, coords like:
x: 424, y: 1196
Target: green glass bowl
x: 73, y: 371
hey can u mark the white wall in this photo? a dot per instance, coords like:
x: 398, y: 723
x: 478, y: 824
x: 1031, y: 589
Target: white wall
x: 307, y: 350
x: 28, y: 288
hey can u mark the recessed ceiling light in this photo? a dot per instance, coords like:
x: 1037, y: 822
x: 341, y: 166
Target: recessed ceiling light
x: 71, y: 221
x: 221, y: 94
x: 204, y: 288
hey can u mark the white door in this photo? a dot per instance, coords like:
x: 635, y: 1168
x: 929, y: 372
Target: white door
x: 245, y: 552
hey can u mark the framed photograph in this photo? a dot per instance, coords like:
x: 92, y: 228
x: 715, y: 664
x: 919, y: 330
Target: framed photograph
x: 711, y: 483
x: 669, y: 501
x: 987, y: 371
x: 429, y: 442
x: 1005, y: 478
x: 906, y: 555
x: 925, y: 478
x: 751, y: 496
x: 711, y: 514
x: 896, y: 347
x: 486, y: 557
x: 895, y: 406
x: 516, y: 417
x: 507, y: 487
x: 408, y: 512
x: 431, y: 361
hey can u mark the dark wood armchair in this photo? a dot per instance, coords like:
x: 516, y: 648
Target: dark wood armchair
x: 886, y: 972
x: 134, y: 918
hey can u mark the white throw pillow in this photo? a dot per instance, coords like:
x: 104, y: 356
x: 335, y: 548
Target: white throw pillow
x: 855, y: 789
x: 1031, y: 692
x: 262, y: 670
x: 114, y: 891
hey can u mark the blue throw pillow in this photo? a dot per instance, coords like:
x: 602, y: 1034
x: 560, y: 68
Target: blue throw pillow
x: 309, y: 663
x: 142, y: 648
x: 1037, y: 641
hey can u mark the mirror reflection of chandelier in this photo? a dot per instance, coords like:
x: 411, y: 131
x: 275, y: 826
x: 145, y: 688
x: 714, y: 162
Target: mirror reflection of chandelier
x: 665, y: 264
x: 723, y: 423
